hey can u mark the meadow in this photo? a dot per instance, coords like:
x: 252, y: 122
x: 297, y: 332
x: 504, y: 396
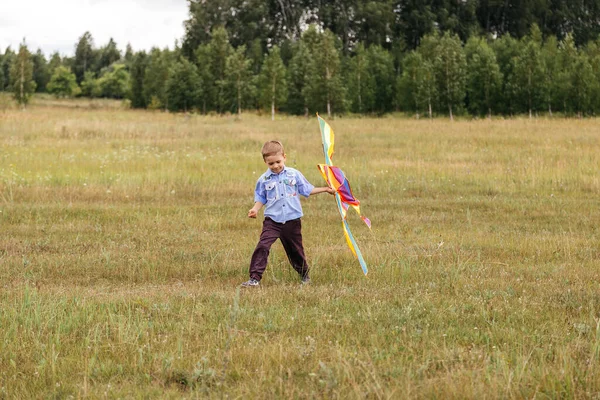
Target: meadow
x: 124, y: 238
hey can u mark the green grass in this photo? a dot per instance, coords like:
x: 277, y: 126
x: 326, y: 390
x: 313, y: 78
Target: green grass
x: 124, y: 238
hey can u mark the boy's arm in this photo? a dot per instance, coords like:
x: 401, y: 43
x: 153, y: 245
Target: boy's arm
x: 323, y: 189
x: 254, y: 210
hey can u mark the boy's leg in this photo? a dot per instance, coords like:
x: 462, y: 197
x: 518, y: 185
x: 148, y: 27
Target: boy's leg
x: 270, y: 233
x: 291, y: 238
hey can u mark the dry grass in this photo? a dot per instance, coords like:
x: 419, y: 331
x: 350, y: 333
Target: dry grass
x: 124, y: 237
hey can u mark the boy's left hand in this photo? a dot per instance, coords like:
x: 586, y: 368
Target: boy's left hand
x: 330, y: 190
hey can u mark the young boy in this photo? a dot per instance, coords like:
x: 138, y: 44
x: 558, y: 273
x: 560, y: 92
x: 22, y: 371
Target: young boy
x: 278, y: 190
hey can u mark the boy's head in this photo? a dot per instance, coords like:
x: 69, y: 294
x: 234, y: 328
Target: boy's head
x: 274, y: 156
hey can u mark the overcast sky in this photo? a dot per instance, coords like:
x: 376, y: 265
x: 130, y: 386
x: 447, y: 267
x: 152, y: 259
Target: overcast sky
x: 58, y: 25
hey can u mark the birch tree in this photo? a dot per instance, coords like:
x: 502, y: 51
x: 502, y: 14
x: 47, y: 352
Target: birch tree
x: 21, y: 76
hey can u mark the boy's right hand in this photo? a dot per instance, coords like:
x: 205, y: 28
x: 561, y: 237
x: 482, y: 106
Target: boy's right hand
x: 252, y: 213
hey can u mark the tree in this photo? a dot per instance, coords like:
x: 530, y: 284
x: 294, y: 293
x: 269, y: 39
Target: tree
x: 207, y: 88
x: 551, y: 70
x: 325, y: 89
x: 414, y: 19
x: 450, y: 69
x: 530, y: 72
x: 272, y: 82
x: 40, y: 71
x: 55, y: 62
x: 137, y: 68
x: 7, y: 62
x: 90, y: 87
x: 238, y: 75
x: 583, y: 85
x: 115, y: 83
x: 507, y: 50
x: 155, y: 78
x: 109, y: 54
x: 417, y: 87
x: 219, y: 52
x: 298, y: 79
x: 84, y: 56
x: 567, y: 54
x: 182, y: 86
x: 361, y: 83
x: 21, y: 76
x: 381, y: 68
x: 63, y: 83
x: 484, y: 78
x: 128, y: 57
x: 373, y: 22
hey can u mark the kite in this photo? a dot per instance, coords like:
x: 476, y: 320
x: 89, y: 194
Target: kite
x: 344, y: 198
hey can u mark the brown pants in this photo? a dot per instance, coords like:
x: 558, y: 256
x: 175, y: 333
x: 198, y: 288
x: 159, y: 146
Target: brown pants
x: 290, y: 234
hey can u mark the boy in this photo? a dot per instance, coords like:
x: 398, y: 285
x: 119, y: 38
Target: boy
x: 278, y: 190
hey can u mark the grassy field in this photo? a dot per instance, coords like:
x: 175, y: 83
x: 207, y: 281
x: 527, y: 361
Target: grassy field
x: 124, y: 238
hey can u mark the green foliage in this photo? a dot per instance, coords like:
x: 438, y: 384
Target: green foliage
x: 583, y: 85
x: 207, y: 89
x: 298, y: 78
x: 272, y: 83
x: 383, y: 74
x: 417, y: 89
x: 484, y: 79
x: 63, y: 83
x: 360, y: 82
x: 324, y: 91
x: 450, y: 68
x: 108, y: 55
x: 551, y: 61
x: 21, y: 76
x: 182, y: 86
x: 156, y: 76
x: 85, y: 56
x: 529, y: 75
x: 239, y: 85
x: 40, y: 71
x: 137, y: 67
x: 219, y: 51
x: 115, y: 83
x: 55, y: 62
x: 6, y: 64
x: 90, y: 87
x: 507, y: 50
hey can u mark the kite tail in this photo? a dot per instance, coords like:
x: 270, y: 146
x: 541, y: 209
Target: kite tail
x: 366, y: 220
x: 354, y: 247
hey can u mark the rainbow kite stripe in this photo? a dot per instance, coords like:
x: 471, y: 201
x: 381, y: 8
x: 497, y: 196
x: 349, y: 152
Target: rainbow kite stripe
x: 344, y: 197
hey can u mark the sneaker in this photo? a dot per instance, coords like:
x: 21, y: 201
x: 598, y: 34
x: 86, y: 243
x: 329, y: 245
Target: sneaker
x: 250, y: 283
x: 305, y: 280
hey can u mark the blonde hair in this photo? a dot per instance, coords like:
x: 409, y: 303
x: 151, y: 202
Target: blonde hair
x: 271, y: 148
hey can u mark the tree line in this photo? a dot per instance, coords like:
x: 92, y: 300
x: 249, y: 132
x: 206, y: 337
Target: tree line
x: 277, y: 56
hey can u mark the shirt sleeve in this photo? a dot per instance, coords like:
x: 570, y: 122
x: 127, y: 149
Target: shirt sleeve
x: 304, y: 186
x: 259, y: 192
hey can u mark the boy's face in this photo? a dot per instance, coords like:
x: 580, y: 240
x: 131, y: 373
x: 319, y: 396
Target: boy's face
x: 276, y: 162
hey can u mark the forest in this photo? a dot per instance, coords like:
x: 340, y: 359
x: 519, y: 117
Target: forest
x: 427, y: 58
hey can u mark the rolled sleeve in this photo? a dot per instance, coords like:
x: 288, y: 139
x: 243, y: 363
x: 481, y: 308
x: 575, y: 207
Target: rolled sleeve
x: 304, y: 186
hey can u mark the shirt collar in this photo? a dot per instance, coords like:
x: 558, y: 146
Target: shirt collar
x: 269, y: 172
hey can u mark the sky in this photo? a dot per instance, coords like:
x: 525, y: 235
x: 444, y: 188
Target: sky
x: 57, y: 25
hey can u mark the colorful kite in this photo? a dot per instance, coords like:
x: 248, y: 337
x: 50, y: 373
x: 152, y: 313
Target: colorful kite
x: 344, y: 198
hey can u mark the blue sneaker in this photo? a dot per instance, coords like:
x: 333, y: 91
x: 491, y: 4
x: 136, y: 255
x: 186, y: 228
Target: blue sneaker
x: 250, y: 283
x: 305, y: 280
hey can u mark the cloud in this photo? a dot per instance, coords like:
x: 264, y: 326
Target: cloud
x: 58, y: 25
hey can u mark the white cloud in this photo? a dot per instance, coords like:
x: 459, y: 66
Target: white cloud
x: 58, y: 25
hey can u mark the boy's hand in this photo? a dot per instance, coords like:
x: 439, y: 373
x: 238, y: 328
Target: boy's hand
x: 330, y: 190
x: 252, y: 213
